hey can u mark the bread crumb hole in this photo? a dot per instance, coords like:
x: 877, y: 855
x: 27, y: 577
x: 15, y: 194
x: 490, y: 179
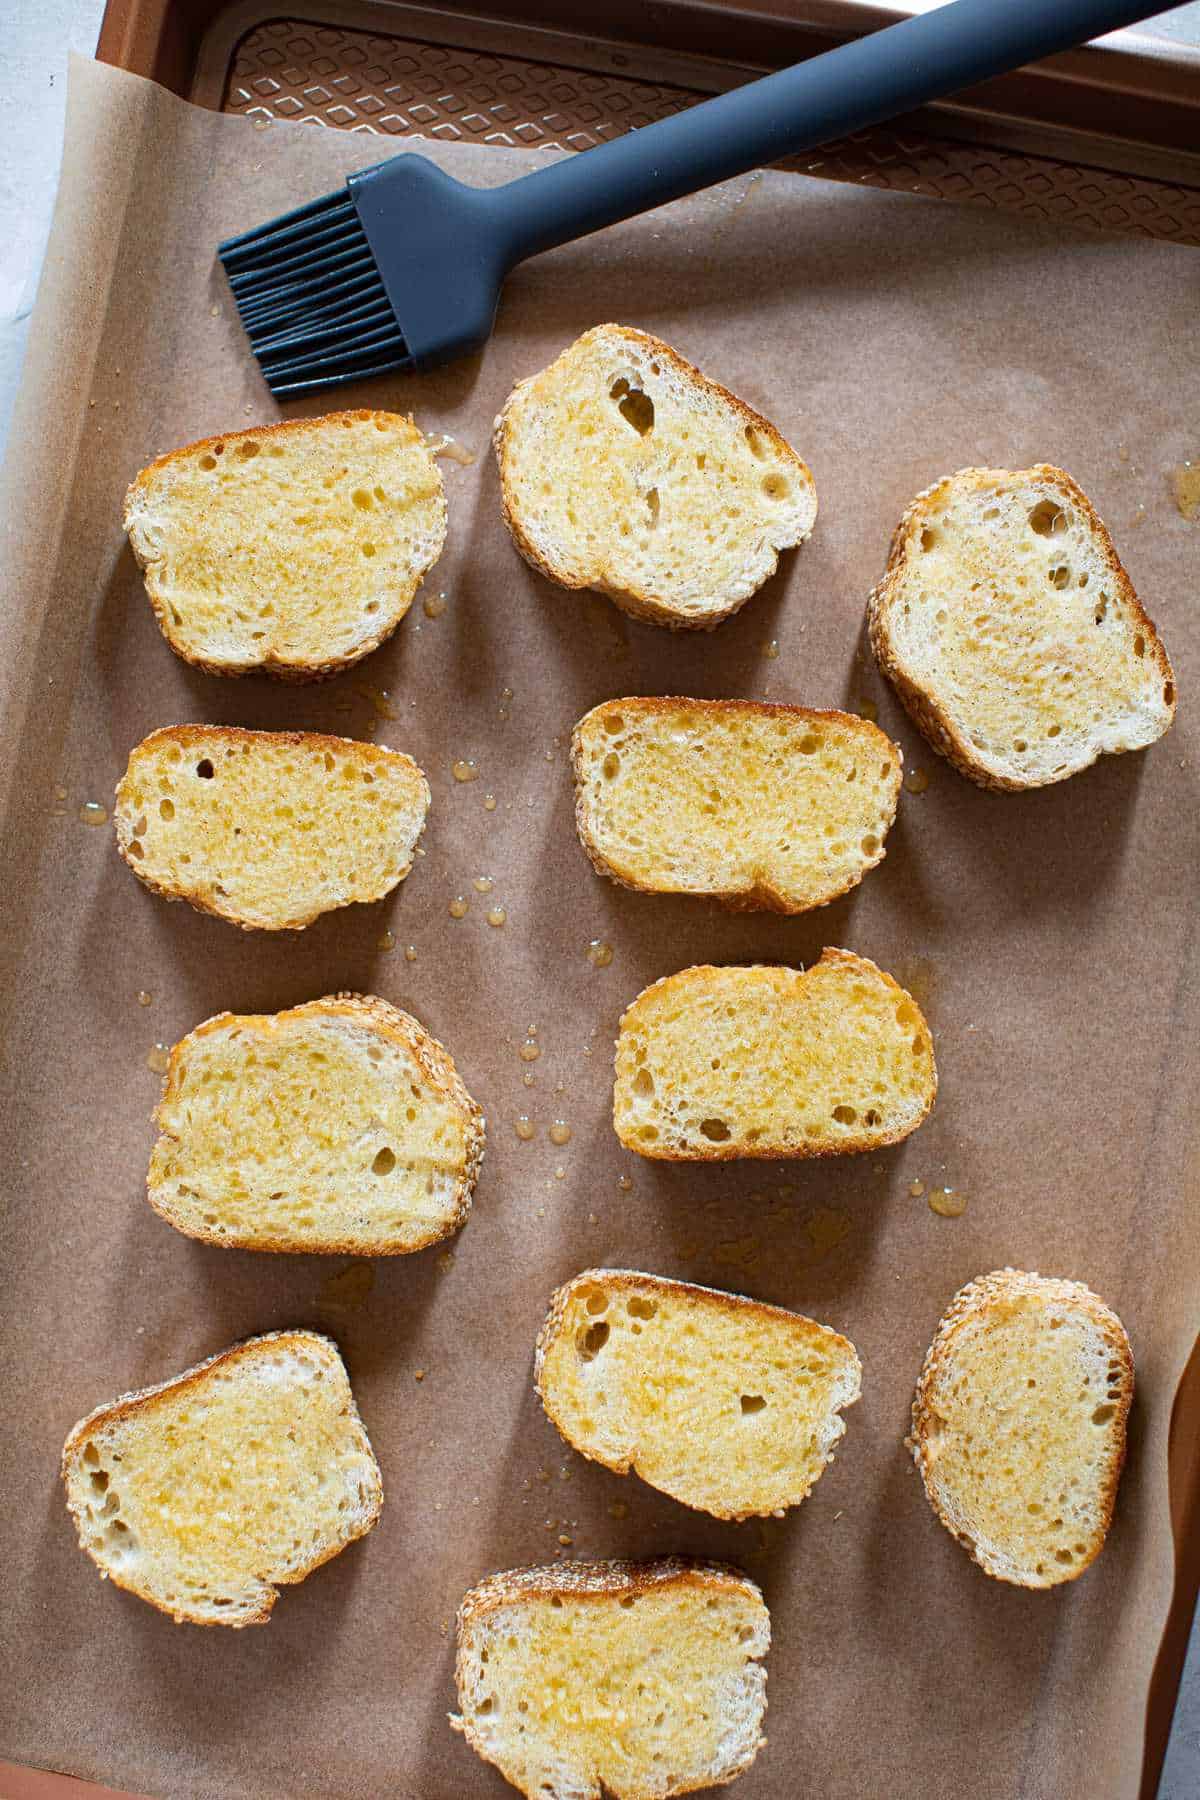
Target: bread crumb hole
x: 628, y: 1600
x: 385, y: 1161
x: 652, y: 507
x: 929, y: 538
x: 591, y: 1342
x: 775, y: 487
x: 1139, y: 645
x: 368, y: 549
x: 596, y: 1300
x: 1060, y: 577
x: 641, y: 1308
x: 1054, y: 731
x: 205, y: 770
x: 610, y: 766
x: 715, y: 1130
x: 362, y: 499
x: 755, y: 443
x: 613, y: 724
x: 870, y: 845
x: 1063, y: 1556
x: 91, y: 1456
x: 643, y: 1083
x: 135, y: 849
x: 634, y: 406
x: 485, y: 1707
x: 166, y: 809
x: 845, y: 1115
x: 1046, y: 519
x: 808, y: 744
x: 1169, y: 693
x: 1103, y: 1414
x: 208, y: 462
x: 248, y: 449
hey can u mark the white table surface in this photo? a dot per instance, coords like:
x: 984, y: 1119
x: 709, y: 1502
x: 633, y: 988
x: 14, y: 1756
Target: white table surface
x: 35, y: 39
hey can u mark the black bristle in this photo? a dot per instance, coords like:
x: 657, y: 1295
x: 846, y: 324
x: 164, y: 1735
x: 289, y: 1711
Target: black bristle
x: 310, y: 297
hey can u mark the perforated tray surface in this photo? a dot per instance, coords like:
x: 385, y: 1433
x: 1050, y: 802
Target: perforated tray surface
x: 363, y: 81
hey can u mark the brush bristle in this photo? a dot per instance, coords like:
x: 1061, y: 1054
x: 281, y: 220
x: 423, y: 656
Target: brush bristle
x: 310, y: 297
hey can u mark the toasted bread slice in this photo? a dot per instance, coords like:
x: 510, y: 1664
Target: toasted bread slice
x: 340, y: 1126
x: 638, y: 1680
x: 268, y: 829
x: 623, y: 468
x: 727, y: 1404
x: 206, y: 1494
x: 764, y: 1061
x: 760, y: 806
x: 293, y: 548
x: 1011, y: 632
x: 1019, y: 1424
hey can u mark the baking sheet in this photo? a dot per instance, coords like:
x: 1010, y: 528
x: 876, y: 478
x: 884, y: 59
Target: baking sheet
x: 1049, y: 937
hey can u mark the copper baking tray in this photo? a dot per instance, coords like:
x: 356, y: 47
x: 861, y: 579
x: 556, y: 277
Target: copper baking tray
x: 568, y: 74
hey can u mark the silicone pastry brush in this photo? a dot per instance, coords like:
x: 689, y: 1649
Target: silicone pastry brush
x: 402, y: 268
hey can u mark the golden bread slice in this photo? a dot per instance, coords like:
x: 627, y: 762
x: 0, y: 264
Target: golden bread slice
x: 206, y: 1494
x: 635, y: 1680
x: 766, y: 1061
x: 293, y: 548
x: 623, y: 468
x: 761, y: 806
x: 340, y: 1126
x: 1011, y: 632
x: 727, y: 1404
x: 268, y: 829
x: 1019, y: 1424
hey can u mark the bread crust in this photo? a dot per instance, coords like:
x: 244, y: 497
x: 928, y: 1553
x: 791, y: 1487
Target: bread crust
x: 642, y: 605
x: 623, y: 1281
x: 190, y: 1378
x: 974, y: 1299
x: 193, y: 736
x: 388, y: 1022
x: 600, y: 1581
x: 290, y: 670
x: 850, y: 1145
x: 922, y: 706
x: 762, y: 897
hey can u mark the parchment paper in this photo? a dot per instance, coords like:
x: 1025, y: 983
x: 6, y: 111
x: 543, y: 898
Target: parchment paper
x: 1048, y: 935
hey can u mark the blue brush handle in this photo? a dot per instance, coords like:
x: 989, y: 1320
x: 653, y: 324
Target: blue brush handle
x: 875, y: 77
